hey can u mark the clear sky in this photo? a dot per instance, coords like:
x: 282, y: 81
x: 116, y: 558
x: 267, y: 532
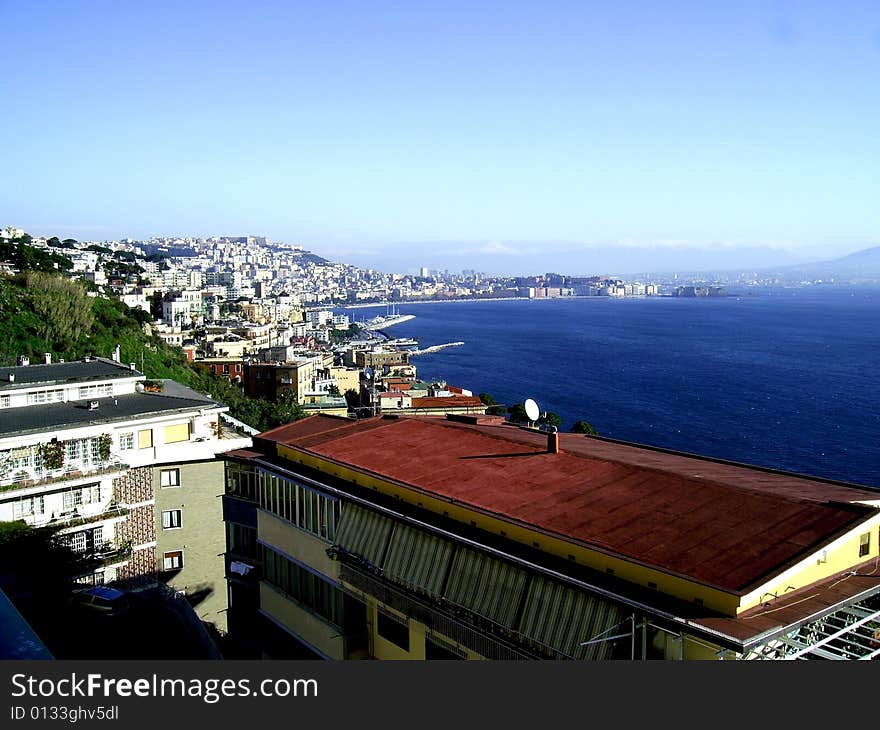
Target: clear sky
x: 478, y: 134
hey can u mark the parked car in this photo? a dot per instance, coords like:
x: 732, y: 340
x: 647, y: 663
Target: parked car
x: 103, y: 599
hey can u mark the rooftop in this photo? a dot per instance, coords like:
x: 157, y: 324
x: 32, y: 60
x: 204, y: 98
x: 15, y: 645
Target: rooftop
x: 74, y: 414
x: 725, y: 525
x: 62, y: 373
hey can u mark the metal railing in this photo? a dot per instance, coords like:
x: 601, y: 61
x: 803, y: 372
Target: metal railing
x: 31, y: 477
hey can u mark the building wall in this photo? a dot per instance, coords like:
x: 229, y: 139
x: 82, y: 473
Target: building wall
x: 835, y: 558
x: 201, y: 536
x: 298, y: 544
x: 314, y: 631
x: 135, y: 488
x: 346, y: 378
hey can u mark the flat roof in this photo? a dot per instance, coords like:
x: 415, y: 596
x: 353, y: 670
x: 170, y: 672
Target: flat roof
x: 63, y: 373
x: 74, y: 414
x: 725, y: 525
x: 810, y: 603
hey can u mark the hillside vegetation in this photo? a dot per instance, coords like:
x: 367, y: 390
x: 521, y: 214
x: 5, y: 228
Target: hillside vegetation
x: 43, y: 312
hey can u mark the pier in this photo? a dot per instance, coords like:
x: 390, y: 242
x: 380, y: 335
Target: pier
x: 435, y: 348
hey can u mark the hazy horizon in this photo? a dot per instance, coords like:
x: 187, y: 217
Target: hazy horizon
x: 490, y: 136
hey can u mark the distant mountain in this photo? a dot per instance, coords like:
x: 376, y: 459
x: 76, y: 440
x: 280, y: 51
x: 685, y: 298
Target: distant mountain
x: 309, y: 257
x: 861, y: 265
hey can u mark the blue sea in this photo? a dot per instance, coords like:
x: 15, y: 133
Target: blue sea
x: 780, y: 378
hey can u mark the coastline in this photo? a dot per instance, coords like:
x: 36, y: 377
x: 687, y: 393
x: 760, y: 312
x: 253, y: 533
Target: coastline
x: 489, y: 299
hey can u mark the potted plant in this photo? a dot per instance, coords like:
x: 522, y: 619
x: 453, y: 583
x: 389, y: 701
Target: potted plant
x: 53, y: 455
x: 105, y: 441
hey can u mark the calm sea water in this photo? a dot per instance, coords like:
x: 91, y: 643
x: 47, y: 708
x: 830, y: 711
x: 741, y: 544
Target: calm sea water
x: 786, y: 379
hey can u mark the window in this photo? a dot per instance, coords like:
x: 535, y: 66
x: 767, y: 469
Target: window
x: 178, y: 432
x: 311, y: 511
x: 96, y: 391
x: 73, y: 498
x: 126, y: 441
x: 169, y: 478
x: 865, y: 545
x: 393, y: 628
x: 171, y: 519
x: 145, y: 439
x: 27, y: 507
x: 84, y: 495
x: 78, y: 542
x: 303, y: 586
x: 241, y: 540
x: 4, y: 401
x: 95, y: 450
x: 45, y: 396
x: 172, y: 560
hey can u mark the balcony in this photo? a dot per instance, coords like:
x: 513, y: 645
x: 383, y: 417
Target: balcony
x: 110, y: 554
x: 74, y: 519
x: 31, y: 476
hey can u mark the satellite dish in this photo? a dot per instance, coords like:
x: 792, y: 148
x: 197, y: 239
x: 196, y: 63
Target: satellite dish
x: 532, y: 410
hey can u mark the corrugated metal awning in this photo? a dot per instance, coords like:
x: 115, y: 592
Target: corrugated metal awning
x: 418, y: 559
x: 563, y: 618
x: 486, y: 586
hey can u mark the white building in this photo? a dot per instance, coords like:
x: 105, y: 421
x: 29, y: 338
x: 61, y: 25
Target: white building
x: 83, y: 448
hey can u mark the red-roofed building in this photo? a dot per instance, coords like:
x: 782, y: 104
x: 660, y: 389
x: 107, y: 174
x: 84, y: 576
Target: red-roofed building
x: 468, y: 537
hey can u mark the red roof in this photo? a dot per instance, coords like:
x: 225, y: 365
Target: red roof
x: 729, y: 526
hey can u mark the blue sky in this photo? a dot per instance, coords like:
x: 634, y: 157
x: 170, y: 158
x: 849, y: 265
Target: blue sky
x: 493, y: 135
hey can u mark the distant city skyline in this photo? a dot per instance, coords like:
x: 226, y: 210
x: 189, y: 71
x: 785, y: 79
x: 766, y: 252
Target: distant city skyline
x: 500, y: 137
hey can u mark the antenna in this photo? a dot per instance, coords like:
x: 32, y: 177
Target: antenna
x: 532, y: 411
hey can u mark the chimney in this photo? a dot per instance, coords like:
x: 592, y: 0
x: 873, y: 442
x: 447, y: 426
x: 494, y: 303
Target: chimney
x: 131, y: 366
x: 553, y: 442
x: 47, y: 358
x: 23, y: 361
x: 117, y: 356
x: 11, y: 377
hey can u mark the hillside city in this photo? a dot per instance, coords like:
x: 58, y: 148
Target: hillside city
x: 201, y: 442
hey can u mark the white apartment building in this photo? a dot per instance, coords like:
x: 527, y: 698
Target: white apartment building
x: 83, y: 448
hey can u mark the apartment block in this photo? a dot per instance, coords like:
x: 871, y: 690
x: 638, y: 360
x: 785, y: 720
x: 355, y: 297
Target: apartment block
x: 84, y: 449
x: 469, y: 538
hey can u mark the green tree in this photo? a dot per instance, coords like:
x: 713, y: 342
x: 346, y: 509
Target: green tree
x: 584, y: 427
x: 39, y: 568
x: 550, y: 419
x: 487, y: 399
x: 285, y: 410
x: 518, y: 413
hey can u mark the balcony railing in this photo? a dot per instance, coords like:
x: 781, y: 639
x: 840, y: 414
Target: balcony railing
x: 110, y: 554
x: 75, y: 519
x: 31, y: 476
